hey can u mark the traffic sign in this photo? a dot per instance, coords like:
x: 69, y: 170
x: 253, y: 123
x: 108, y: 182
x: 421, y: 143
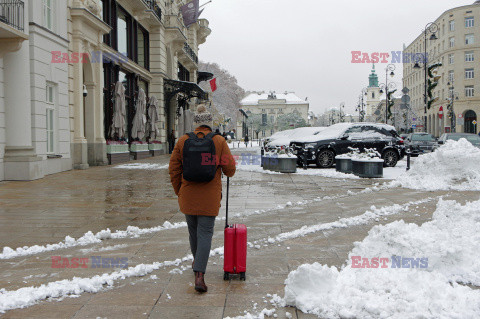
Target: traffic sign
x: 406, y: 99
x: 460, y: 116
x: 474, y: 122
x: 440, y: 112
x: 414, y: 119
x: 414, y: 126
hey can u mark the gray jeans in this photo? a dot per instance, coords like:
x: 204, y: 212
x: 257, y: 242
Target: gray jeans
x: 200, y: 229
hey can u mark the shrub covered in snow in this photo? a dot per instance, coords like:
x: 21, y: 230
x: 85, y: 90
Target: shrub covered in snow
x: 453, y: 166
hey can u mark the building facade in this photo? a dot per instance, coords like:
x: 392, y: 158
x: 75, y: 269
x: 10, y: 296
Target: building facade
x: 146, y: 46
x: 457, y: 47
x: 60, y: 62
x: 34, y: 118
x: 271, y: 107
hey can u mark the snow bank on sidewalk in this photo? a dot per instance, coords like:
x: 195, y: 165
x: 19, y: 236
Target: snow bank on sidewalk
x: 451, y: 242
x: 87, y: 239
x: 147, y: 166
x: 454, y: 166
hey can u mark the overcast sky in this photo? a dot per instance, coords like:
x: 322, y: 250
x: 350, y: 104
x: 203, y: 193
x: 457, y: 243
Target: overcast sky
x: 305, y: 45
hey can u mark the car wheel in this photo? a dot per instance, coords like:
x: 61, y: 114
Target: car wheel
x: 390, y: 158
x: 325, y: 159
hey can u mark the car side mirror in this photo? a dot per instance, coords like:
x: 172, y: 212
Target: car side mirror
x: 440, y: 142
x: 344, y: 137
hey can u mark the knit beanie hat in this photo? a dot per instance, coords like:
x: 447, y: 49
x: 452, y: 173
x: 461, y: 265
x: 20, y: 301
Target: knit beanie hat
x: 202, y: 117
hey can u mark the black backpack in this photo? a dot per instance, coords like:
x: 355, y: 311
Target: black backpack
x: 199, y: 161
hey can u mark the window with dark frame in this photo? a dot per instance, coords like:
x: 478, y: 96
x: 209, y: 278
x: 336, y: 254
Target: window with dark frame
x: 127, y: 35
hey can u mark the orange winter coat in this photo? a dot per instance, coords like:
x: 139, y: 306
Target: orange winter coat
x: 200, y: 198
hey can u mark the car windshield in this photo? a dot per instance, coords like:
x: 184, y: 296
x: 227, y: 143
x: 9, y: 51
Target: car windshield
x: 422, y: 137
x: 471, y: 138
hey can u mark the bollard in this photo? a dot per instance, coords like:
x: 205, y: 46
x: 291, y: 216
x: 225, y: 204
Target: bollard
x: 408, y: 161
x: 304, y: 159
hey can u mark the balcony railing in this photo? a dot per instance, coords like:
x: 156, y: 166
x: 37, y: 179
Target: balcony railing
x: 11, y: 13
x: 152, y: 5
x: 188, y: 50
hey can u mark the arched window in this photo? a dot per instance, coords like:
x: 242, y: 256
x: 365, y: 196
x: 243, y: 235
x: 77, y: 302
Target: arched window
x: 470, y: 117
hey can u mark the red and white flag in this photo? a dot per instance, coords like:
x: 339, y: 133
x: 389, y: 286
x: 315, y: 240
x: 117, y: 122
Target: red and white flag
x: 213, y: 84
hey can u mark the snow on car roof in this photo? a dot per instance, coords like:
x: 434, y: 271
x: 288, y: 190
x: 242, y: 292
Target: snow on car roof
x: 288, y: 135
x: 337, y: 130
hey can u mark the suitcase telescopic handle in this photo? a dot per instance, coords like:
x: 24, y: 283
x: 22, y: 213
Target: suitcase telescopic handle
x: 228, y: 191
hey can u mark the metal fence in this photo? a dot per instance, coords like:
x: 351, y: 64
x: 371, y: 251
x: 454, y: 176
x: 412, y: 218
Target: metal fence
x: 11, y: 13
x: 190, y: 52
x: 152, y: 5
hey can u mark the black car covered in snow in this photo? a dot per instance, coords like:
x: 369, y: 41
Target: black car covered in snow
x: 337, y: 139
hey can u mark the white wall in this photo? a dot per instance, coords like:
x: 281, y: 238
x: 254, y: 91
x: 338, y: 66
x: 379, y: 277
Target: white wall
x: 42, y: 42
x: 2, y: 122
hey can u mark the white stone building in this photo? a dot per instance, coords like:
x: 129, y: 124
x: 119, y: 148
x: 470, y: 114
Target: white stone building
x: 34, y: 119
x: 59, y: 63
x: 271, y: 106
x: 152, y: 49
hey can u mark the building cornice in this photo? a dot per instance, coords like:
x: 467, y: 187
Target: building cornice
x: 449, y: 11
x: 58, y: 37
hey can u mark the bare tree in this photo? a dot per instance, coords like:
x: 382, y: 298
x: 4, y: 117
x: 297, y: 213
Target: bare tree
x: 226, y: 99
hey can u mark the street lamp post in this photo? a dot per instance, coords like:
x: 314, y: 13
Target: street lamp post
x: 390, y: 68
x: 342, y: 112
x: 430, y: 28
x: 387, y: 88
x: 361, y: 107
x: 452, y: 96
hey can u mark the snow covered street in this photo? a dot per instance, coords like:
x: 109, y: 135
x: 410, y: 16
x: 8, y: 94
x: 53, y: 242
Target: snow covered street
x: 316, y: 219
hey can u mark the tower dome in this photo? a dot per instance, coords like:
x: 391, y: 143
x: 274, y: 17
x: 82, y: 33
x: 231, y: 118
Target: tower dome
x: 373, y: 78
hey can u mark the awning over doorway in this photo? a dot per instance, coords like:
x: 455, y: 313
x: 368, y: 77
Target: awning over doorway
x: 190, y: 89
x: 204, y: 76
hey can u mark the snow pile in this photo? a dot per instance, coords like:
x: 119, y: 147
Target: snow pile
x: 147, y: 166
x: 454, y: 166
x: 28, y: 296
x: 87, y: 239
x: 451, y: 242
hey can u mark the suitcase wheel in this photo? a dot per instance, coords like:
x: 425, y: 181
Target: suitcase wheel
x: 243, y: 276
x: 226, y: 276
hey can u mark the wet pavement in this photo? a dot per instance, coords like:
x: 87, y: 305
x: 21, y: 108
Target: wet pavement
x: 72, y: 203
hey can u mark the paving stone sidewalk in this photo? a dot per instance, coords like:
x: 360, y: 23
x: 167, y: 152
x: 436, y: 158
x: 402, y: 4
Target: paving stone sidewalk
x: 73, y: 203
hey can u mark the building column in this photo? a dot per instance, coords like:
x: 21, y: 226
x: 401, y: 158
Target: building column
x: 20, y: 161
x: 97, y: 144
x: 80, y: 149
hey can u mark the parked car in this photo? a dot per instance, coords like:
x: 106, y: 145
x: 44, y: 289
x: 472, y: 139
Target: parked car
x: 336, y: 140
x: 282, y: 139
x: 472, y: 138
x: 419, y: 143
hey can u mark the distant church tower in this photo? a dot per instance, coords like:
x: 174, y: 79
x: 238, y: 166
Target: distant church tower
x: 373, y: 94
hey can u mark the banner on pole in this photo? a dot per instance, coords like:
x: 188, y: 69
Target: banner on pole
x: 190, y: 12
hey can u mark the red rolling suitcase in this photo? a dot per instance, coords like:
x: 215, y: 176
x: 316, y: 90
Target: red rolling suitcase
x: 235, y: 247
